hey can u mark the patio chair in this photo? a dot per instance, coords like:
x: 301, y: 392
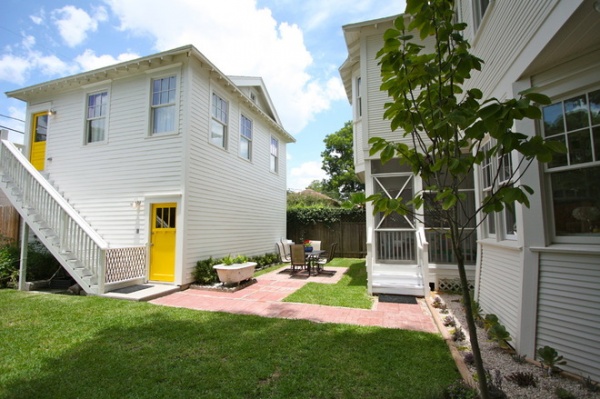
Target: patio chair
x: 298, y: 257
x: 316, y: 245
x: 327, y: 258
x: 285, y: 258
x: 286, y: 246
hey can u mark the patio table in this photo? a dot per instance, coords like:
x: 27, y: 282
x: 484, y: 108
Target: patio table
x: 312, y: 258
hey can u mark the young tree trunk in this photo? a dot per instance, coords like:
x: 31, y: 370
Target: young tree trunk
x: 466, y: 296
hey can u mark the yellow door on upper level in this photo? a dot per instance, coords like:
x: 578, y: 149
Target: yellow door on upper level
x: 39, y: 133
x: 162, y: 242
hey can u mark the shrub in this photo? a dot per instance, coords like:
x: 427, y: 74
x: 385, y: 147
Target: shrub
x: 449, y: 321
x: 562, y: 393
x: 438, y: 303
x: 41, y: 264
x: 204, y: 272
x: 489, y: 320
x: 522, y: 379
x: 498, y: 334
x: 458, y: 334
x: 469, y: 358
x: 550, y: 360
x: 460, y: 390
x: 590, y: 384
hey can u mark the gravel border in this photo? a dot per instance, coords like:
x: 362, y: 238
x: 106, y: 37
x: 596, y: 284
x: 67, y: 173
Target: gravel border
x: 498, y: 360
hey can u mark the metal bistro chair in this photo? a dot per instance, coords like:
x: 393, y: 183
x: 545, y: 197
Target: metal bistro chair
x: 328, y: 257
x: 298, y: 257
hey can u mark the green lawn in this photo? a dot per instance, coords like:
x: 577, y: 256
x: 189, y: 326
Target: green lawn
x: 58, y: 346
x: 350, y: 291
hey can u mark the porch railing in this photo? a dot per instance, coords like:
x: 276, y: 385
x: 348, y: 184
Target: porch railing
x: 440, y: 247
x: 396, y: 245
x: 77, y: 245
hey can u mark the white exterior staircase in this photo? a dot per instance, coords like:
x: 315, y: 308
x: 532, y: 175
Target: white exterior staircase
x: 82, y: 252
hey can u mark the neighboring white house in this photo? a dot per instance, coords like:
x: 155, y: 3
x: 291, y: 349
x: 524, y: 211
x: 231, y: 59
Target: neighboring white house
x: 147, y: 167
x: 537, y: 268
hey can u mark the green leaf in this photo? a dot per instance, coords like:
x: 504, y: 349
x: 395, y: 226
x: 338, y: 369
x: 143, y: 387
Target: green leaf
x: 537, y: 97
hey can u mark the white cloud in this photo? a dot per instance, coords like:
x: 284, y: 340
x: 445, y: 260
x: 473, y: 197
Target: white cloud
x: 14, y: 69
x: 88, y: 60
x: 74, y: 23
x: 300, y: 177
x: 240, y: 39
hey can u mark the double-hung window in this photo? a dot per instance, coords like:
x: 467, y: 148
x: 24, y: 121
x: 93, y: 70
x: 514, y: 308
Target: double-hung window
x: 574, y: 177
x: 163, y: 108
x: 97, y: 111
x: 358, y: 97
x: 246, y: 138
x: 274, y: 155
x: 218, y: 126
x: 497, y: 172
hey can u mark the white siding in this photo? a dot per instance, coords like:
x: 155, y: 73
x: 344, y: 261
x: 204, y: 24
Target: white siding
x: 234, y: 206
x: 101, y: 180
x: 499, y: 285
x: 509, y: 27
x: 569, y: 310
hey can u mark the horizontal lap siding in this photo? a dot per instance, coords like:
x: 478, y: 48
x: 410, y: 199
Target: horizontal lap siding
x: 378, y: 126
x: 499, y: 285
x: 235, y: 206
x: 101, y: 180
x: 569, y: 310
x: 497, y: 45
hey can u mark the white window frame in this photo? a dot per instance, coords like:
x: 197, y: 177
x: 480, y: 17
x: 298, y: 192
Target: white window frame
x: 246, y: 136
x: 103, y: 116
x: 274, y: 154
x: 173, y: 104
x: 358, y: 97
x: 480, y: 8
x: 219, y: 112
x: 549, y: 169
x: 496, y: 223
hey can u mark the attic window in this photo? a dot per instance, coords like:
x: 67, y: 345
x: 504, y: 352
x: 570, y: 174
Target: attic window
x: 252, y: 96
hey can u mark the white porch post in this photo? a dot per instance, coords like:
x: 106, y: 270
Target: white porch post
x: 529, y: 233
x: 24, y: 247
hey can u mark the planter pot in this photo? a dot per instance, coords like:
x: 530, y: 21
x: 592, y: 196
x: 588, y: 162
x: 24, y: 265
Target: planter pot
x: 235, y: 273
x: 308, y: 249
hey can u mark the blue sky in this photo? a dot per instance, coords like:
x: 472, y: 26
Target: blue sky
x: 295, y: 46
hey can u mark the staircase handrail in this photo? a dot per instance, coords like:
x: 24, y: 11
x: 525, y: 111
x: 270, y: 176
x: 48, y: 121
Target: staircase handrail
x: 67, y: 208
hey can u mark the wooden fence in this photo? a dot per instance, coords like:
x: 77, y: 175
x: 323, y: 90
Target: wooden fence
x: 350, y: 236
x: 9, y: 223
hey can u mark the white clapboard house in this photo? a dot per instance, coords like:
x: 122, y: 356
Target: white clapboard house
x: 133, y: 172
x: 537, y: 268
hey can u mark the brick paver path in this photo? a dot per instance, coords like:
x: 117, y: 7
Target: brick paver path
x: 265, y: 299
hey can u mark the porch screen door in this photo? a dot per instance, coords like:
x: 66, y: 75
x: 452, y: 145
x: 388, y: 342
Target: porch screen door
x: 395, y: 233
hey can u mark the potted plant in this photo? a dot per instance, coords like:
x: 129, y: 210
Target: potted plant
x: 235, y: 270
x: 308, y: 246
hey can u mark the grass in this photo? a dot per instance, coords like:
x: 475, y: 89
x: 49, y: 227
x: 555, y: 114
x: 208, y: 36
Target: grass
x: 59, y: 346
x: 350, y: 291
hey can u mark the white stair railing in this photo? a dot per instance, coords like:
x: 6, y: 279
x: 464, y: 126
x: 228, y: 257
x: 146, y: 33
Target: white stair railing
x: 78, y: 247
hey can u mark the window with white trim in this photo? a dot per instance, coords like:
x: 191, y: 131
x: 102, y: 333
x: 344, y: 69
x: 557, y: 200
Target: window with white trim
x: 574, y: 177
x: 95, y: 119
x: 358, y: 97
x: 218, y: 125
x: 496, y: 172
x: 246, y: 138
x: 479, y: 9
x: 274, y: 155
x: 163, y: 108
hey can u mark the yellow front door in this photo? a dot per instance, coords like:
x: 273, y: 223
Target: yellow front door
x: 39, y: 132
x: 162, y: 242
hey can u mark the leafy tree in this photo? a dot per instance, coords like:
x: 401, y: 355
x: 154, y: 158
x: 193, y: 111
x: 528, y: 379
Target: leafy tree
x: 445, y: 129
x: 338, y: 162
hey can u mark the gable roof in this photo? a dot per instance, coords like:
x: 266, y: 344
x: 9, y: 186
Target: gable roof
x: 150, y: 62
x: 352, y: 35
